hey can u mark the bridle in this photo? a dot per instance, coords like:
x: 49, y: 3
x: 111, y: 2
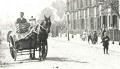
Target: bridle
x: 36, y: 30
x: 38, y: 27
x: 42, y: 27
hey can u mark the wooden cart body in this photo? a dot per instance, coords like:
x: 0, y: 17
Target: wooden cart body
x: 31, y: 41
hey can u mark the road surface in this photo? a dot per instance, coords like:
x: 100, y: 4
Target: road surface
x: 63, y: 54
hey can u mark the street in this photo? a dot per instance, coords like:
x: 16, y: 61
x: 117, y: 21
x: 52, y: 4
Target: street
x: 63, y: 54
x: 67, y: 25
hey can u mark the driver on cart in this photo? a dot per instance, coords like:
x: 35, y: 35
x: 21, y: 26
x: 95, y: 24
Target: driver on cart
x: 21, y: 19
x: 22, y: 26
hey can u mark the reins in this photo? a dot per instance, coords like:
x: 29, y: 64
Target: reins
x: 42, y: 27
x: 34, y: 29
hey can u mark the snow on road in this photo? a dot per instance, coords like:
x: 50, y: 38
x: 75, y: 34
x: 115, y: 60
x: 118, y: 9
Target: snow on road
x: 73, y: 54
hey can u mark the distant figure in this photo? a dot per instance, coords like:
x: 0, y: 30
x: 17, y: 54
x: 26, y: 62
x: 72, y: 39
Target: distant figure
x: 89, y: 38
x: 84, y: 36
x: 95, y: 38
x: 105, y: 41
x: 103, y: 33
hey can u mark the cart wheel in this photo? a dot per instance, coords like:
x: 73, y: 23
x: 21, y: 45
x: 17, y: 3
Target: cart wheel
x: 13, y: 51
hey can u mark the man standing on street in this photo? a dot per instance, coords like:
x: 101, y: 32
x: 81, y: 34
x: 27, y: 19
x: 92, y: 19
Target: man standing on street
x: 105, y: 41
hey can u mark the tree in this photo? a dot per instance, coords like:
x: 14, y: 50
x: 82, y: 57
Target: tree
x: 59, y: 5
x: 113, y: 4
x: 47, y: 12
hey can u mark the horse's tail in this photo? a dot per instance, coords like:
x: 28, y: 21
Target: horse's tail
x: 8, y: 35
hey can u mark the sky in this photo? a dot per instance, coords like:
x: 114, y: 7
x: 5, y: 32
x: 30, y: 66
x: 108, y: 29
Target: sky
x: 9, y: 9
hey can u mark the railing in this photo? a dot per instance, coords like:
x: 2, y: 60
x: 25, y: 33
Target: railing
x: 114, y: 36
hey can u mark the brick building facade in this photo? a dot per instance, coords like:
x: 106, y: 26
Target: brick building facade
x: 91, y: 15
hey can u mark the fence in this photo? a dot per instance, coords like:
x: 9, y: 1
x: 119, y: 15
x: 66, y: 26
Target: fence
x: 114, y: 33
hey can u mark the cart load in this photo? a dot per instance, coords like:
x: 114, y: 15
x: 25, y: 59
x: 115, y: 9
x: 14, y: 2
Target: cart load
x: 22, y: 27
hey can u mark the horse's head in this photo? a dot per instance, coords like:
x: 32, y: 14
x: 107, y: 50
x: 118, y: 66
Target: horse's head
x: 46, y: 23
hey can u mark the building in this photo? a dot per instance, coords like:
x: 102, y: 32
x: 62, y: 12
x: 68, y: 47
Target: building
x: 84, y: 15
x: 92, y: 15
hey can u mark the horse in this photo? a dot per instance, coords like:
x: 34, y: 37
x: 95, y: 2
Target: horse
x: 38, y: 35
x: 43, y: 34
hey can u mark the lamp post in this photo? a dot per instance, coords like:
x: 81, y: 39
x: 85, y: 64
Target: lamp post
x: 113, y: 34
x: 68, y: 13
x: 68, y: 22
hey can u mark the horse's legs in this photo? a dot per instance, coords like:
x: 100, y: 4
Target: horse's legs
x: 34, y: 53
x: 44, y: 51
x: 34, y: 49
x: 40, y: 51
x: 30, y: 54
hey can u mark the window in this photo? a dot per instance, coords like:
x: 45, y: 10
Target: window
x: 104, y: 21
x: 114, y: 22
x: 82, y: 23
x: 92, y: 23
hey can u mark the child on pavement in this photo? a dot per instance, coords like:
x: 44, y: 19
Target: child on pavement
x: 105, y: 41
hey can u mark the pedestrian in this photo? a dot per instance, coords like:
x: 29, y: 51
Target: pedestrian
x: 105, y: 41
x: 95, y: 37
x: 103, y: 33
x: 89, y: 38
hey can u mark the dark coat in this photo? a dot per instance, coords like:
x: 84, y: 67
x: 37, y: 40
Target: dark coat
x: 19, y: 20
x: 89, y: 37
x: 105, y: 41
x: 103, y: 33
x: 22, y: 26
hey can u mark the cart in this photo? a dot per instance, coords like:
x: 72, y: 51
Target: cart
x: 31, y: 44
